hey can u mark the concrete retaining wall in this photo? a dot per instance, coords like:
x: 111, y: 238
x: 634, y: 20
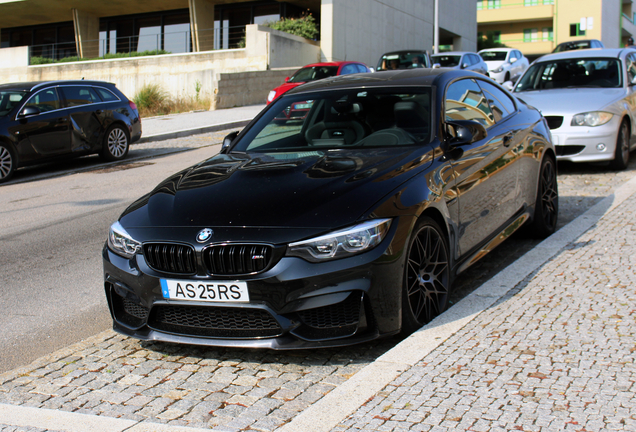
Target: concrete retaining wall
x: 247, y: 88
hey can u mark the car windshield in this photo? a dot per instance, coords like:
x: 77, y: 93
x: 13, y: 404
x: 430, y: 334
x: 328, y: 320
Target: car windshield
x: 446, y: 60
x: 571, y: 73
x: 405, y: 60
x: 569, y: 46
x: 341, y: 119
x: 493, y: 55
x: 313, y: 73
x: 9, y: 99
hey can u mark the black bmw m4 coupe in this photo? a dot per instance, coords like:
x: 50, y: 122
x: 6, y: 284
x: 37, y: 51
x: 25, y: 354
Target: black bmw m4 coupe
x: 344, y: 226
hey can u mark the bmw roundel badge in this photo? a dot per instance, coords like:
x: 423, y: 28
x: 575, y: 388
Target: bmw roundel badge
x: 204, y: 235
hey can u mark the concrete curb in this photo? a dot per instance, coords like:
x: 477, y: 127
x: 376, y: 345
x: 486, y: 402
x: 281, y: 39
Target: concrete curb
x: 192, y: 131
x: 344, y: 400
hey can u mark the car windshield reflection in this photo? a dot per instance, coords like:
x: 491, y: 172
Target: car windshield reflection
x: 342, y: 119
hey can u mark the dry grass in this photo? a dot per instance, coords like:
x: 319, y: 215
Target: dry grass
x: 151, y: 101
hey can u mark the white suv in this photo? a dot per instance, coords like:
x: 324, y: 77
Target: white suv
x: 504, y: 64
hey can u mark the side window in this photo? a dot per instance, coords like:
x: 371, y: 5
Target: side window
x: 76, y: 96
x: 500, y: 103
x: 631, y: 67
x: 107, y: 95
x: 45, y: 100
x: 361, y: 68
x: 464, y: 100
x: 348, y: 69
x: 513, y: 56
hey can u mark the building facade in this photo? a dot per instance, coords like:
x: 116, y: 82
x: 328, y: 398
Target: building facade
x: 536, y: 27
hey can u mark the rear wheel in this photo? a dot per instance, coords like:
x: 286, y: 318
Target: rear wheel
x: 546, y: 209
x: 427, y: 277
x: 116, y: 143
x: 621, y: 155
x: 7, y: 162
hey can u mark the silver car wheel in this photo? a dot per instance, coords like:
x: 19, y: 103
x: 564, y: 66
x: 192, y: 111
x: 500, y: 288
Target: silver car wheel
x: 6, y: 162
x: 117, y: 142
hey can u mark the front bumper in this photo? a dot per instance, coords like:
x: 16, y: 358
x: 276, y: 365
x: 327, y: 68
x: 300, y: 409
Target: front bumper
x: 295, y: 304
x: 586, y: 144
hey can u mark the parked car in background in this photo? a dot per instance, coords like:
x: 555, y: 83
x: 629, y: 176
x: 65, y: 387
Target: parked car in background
x: 504, y: 64
x: 588, y: 99
x: 404, y: 59
x: 461, y: 60
x: 316, y: 71
x: 578, y: 44
x: 44, y: 121
x: 341, y: 228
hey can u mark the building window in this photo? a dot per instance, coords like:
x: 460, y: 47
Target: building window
x: 575, y: 30
x: 488, y: 4
x: 530, y: 35
x: 548, y: 2
x: 530, y: 2
x: 496, y: 36
x: 547, y: 34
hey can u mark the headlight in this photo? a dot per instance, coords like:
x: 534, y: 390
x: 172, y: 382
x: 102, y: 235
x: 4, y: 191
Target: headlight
x: 343, y: 243
x: 500, y: 69
x: 120, y: 242
x: 271, y: 96
x: 594, y: 118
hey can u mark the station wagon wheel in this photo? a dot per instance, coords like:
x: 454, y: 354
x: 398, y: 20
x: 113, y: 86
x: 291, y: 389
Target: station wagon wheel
x: 116, y: 143
x: 621, y: 156
x: 546, y: 209
x: 427, y: 276
x: 7, y: 162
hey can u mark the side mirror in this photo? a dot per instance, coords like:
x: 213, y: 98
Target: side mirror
x: 508, y: 85
x: 437, y: 66
x: 227, y: 141
x: 464, y: 65
x: 29, y: 111
x: 465, y: 132
x: 286, y: 79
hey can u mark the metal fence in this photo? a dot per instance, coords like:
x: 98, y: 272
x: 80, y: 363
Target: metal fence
x: 140, y: 44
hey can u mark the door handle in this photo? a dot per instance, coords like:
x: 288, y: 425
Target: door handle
x: 507, y: 139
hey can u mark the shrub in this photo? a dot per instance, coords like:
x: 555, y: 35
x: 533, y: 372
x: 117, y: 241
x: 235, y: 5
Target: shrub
x: 305, y: 26
x: 152, y: 100
x: 45, y: 60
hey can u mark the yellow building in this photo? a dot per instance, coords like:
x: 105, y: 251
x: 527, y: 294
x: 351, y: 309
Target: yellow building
x: 536, y: 27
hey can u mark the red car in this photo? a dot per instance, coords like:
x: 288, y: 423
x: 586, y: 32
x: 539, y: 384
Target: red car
x: 312, y: 72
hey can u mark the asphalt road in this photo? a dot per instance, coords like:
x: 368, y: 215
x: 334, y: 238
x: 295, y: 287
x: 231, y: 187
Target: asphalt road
x: 55, y: 219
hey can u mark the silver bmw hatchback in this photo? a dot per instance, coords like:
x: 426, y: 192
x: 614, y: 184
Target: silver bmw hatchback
x: 589, y: 100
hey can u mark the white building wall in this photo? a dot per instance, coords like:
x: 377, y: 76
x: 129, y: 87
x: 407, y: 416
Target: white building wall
x: 365, y: 29
x: 611, y: 16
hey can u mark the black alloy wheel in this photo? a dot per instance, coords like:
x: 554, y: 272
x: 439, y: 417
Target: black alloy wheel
x: 546, y: 209
x: 7, y: 163
x: 116, y: 143
x: 427, y: 278
x: 621, y: 155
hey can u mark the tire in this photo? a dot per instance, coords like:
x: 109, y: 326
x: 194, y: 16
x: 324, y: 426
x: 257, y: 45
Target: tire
x: 427, y: 278
x: 116, y: 143
x: 546, y: 208
x: 621, y: 154
x: 8, y: 162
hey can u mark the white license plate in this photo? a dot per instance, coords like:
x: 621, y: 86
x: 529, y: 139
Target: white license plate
x: 208, y: 291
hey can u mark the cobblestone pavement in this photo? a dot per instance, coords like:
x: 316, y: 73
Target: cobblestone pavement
x: 568, y: 360
x: 557, y: 353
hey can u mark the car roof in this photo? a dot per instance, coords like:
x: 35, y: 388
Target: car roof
x: 422, y: 77
x: 587, y: 53
x: 335, y: 63
x: 498, y: 49
x: 454, y: 53
x: 403, y: 52
x: 31, y: 85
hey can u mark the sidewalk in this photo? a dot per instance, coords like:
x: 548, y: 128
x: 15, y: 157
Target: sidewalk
x: 547, y: 344
x: 185, y: 124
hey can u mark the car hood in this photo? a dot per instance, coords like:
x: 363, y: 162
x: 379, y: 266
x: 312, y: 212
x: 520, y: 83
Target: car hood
x: 493, y: 64
x: 284, y: 88
x: 571, y: 100
x: 314, y: 189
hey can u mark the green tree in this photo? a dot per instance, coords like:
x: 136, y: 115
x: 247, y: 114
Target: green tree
x: 305, y: 26
x: 489, y: 42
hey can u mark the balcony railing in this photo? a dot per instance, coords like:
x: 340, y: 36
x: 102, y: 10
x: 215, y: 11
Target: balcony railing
x: 141, y: 44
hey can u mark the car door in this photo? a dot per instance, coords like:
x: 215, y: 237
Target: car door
x: 486, y: 181
x: 47, y: 132
x: 86, y: 114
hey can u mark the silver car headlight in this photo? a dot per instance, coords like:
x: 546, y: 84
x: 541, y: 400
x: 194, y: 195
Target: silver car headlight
x: 120, y: 242
x: 500, y: 69
x: 592, y: 118
x: 339, y: 244
x: 271, y: 96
